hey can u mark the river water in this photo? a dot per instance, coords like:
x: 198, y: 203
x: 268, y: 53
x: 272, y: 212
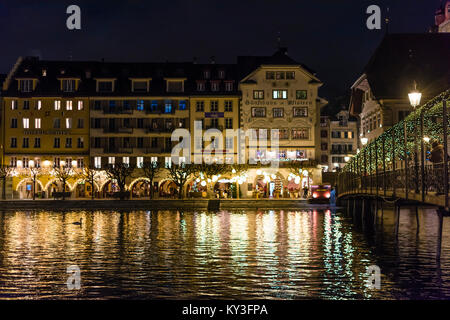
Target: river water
x: 273, y: 254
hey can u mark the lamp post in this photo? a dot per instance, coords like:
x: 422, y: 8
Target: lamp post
x: 364, y: 141
x: 33, y: 172
x: 414, y: 99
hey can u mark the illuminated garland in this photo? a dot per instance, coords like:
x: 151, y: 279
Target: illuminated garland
x: 394, y: 137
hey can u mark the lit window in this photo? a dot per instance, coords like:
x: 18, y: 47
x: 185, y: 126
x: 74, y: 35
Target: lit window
x: 126, y: 160
x: 140, y: 162
x: 13, y: 105
x: 279, y: 94
x: 140, y: 105
x: 182, y: 105
x: 57, y: 105
x: 98, y: 162
x: 68, y: 85
x: 168, y: 162
x: 26, y: 123
x: 37, y: 123
x: 168, y: 107
x: 69, y: 105
x: 80, y: 105
x: 111, y: 161
x: 69, y: 123
x: 39, y: 105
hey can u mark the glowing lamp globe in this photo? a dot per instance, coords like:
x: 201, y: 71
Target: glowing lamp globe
x: 414, y: 98
x: 364, y: 141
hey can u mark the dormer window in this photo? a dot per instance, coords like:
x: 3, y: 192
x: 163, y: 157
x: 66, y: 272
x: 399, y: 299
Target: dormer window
x: 68, y: 85
x: 140, y: 85
x: 215, y: 85
x: 44, y: 72
x: 175, y: 85
x: 26, y: 85
x: 106, y: 85
x: 228, y: 85
x: 200, y: 85
x: 206, y: 74
x: 221, y: 74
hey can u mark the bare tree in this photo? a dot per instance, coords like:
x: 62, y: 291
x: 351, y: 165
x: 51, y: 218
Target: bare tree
x: 119, y: 172
x: 179, y: 173
x: 5, y: 172
x: 63, y: 174
x: 151, y: 169
x: 90, y: 175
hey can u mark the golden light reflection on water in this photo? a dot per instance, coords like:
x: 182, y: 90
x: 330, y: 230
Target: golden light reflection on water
x: 174, y: 254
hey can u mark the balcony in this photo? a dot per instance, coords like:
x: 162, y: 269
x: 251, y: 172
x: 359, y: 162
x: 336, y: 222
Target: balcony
x: 116, y: 110
x: 118, y: 130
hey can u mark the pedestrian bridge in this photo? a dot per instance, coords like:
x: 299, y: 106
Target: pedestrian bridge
x: 408, y: 162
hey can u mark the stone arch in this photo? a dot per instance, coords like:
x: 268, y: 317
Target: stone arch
x: 31, y: 180
x: 140, y: 192
x: 81, y: 180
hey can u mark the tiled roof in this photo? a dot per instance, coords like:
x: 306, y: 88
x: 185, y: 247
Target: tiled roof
x: 402, y: 59
x: 89, y: 71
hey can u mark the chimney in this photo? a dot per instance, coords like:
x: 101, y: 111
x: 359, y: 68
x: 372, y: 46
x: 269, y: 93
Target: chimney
x: 194, y: 60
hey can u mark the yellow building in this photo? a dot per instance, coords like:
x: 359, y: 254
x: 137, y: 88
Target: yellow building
x: 45, y: 124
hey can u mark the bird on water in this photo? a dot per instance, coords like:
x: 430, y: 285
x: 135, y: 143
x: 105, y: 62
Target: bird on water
x: 78, y: 223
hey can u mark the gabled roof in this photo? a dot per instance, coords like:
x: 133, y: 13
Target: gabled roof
x: 2, y: 78
x: 402, y: 59
x: 247, y: 64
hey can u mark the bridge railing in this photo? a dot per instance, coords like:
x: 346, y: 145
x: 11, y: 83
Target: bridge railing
x: 410, y: 157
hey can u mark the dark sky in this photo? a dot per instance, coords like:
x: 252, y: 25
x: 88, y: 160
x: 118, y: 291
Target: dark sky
x: 330, y: 36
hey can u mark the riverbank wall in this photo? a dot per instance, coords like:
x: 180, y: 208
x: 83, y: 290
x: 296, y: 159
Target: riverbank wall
x: 172, y: 204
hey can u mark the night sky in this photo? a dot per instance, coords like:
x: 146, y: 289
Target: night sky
x: 329, y: 36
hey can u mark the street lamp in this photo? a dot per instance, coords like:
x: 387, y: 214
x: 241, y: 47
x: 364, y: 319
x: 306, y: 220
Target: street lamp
x: 364, y: 141
x: 414, y: 99
x: 33, y: 172
x: 415, y: 96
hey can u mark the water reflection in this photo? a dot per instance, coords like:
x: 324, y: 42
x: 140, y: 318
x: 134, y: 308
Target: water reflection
x: 243, y: 254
